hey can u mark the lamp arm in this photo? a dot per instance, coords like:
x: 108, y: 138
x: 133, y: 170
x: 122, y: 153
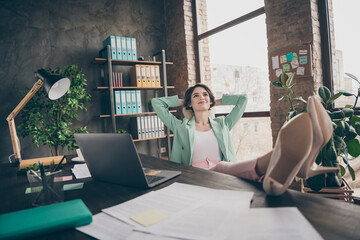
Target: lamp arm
x: 14, y: 113
x: 25, y: 100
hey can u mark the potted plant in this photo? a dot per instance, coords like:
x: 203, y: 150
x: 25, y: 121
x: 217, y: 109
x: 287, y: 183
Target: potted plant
x: 49, y: 122
x: 343, y: 145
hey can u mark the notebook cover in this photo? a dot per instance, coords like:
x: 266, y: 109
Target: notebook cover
x: 45, y: 219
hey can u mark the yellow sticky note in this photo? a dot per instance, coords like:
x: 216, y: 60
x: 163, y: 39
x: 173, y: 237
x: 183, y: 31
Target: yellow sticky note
x: 149, y: 218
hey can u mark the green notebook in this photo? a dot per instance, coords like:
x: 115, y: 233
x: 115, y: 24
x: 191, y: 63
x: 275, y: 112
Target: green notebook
x: 41, y: 220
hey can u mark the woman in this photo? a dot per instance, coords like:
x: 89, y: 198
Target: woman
x: 204, y: 142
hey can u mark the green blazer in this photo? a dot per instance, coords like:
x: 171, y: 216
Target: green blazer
x: 184, y: 129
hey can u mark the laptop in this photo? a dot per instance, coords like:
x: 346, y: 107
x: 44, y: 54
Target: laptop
x: 112, y: 157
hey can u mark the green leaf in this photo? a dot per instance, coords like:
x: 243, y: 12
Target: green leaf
x: 351, y: 134
x: 342, y: 170
x: 300, y: 99
x: 348, y: 106
x: 345, y: 160
x: 333, y: 180
x: 352, y: 172
x: 357, y: 127
x: 276, y: 84
x: 333, y: 98
x: 348, y: 112
x: 291, y: 114
x: 346, y: 93
x: 290, y: 79
x: 283, y: 79
x: 316, y: 183
x: 354, y: 147
x: 329, y: 153
x: 286, y: 90
x: 324, y: 93
x: 354, y: 119
x: 338, y: 114
x: 291, y: 86
x: 340, y: 129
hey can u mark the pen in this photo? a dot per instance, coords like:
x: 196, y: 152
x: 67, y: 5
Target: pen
x: 59, y: 163
x: 35, y: 174
x: 52, y: 166
x: 42, y: 173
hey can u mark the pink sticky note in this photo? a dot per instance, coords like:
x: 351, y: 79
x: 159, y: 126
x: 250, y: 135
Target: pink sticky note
x: 62, y: 179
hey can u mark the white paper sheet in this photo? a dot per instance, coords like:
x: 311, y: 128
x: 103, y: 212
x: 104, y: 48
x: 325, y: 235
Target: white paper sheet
x: 81, y: 171
x: 209, y: 221
x: 274, y: 224
x: 163, y: 202
x: 194, y: 212
x: 275, y: 62
x: 147, y: 236
x: 201, y: 213
x: 106, y: 227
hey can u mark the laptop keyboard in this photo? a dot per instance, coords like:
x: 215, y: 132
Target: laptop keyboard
x: 152, y: 179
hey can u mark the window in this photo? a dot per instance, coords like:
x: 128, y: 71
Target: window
x: 233, y: 59
x: 347, y: 49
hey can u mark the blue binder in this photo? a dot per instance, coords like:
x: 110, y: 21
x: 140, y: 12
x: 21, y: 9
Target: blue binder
x: 118, y: 48
x: 117, y: 102
x: 123, y: 48
x: 112, y: 42
x: 133, y: 49
x: 133, y: 101
x: 123, y: 102
x: 138, y: 101
x: 128, y: 49
x: 128, y: 102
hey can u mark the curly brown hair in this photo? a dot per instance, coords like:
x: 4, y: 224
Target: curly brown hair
x: 190, y: 90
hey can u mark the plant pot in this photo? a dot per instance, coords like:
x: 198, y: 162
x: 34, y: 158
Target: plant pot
x: 341, y: 193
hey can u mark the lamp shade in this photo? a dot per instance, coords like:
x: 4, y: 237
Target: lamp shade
x: 56, y: 86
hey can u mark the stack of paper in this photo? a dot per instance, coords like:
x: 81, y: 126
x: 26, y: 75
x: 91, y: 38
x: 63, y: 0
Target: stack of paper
x: 81, y: 171
x: 191, y: 212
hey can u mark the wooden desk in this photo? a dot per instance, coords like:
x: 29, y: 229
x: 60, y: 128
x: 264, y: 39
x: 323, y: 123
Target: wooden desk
x: 333, y: 219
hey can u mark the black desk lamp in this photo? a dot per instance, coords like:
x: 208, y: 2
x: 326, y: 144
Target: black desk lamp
x: 56, y: 86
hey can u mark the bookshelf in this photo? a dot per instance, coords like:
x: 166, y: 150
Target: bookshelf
x: 132, y: 87
x: 107, y: 64
x: 132, y: 114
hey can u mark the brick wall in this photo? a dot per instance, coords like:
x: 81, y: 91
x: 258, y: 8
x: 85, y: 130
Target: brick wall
x: 292, y: 24
x: 181, y: 47
x: 204, y: 44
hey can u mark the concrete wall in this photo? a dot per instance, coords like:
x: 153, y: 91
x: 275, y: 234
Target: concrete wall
x: 41, y: 34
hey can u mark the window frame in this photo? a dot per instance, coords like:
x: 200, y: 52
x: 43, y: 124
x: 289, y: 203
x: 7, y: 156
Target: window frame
x: 227, y: 25
x: 326, y: 49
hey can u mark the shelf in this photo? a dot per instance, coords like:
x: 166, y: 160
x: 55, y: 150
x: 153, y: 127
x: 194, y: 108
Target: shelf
x: 107, y: 64
x: 127, y: 63
x: 133, y: 87
x: 146, y: 139
x: 132, y: 114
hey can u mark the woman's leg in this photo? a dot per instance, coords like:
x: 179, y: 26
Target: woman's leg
x: 263, y: 163
x: 252, y: 169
